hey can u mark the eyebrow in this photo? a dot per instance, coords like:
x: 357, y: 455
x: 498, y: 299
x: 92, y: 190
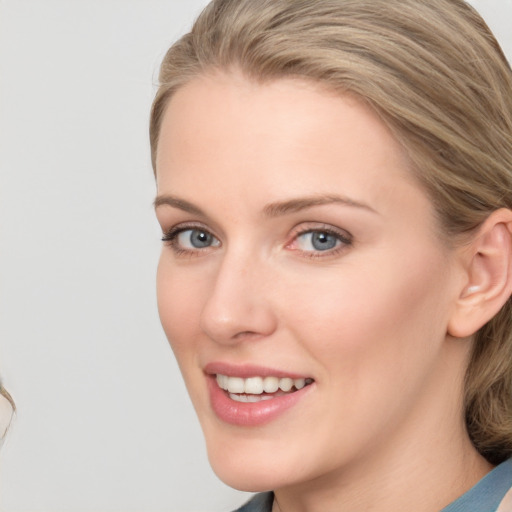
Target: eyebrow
x: 176, y: 202
x: 302, y: 203
x: 276, y: 209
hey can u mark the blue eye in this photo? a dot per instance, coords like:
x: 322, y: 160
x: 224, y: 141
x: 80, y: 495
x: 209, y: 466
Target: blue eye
x: 195, y: 239
x: 191, y: 239
x: 320, y: 241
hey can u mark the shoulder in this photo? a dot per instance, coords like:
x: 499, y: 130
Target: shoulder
x: 259, y: 503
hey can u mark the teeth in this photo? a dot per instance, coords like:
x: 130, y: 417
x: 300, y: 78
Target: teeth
x: 236, y: 385
x: 270, y: 384
x: 257, y: 385
x: 299, y: 383
x: 249, y: 398
x: 222, y: 381
x: 285, y: 384
x: 254, y: 385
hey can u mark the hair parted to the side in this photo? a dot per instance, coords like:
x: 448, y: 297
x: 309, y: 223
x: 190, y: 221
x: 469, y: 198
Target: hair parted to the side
x: 437, y: 77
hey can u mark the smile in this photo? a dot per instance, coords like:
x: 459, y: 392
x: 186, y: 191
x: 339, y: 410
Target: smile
x: 256, y: 389
x: 239, y: 396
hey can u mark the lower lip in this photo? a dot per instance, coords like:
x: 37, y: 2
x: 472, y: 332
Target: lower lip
x: 251, y: 414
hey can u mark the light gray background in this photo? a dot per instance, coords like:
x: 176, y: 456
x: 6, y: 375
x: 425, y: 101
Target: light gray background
x: 104, y: 423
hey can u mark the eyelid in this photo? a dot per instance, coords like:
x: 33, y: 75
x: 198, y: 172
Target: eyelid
x: 170, y: 237
x: 342, y: 235
x: 183, y: 226
x: 308, y: 227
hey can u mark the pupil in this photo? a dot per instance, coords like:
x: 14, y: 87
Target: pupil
x: 323, y: 241
x: 200, y: 239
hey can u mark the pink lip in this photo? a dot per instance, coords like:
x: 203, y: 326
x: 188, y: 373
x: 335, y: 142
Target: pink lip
x: 246, y: 370
x: 249, y: 414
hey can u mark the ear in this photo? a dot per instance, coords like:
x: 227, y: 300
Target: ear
x: 488, y: 270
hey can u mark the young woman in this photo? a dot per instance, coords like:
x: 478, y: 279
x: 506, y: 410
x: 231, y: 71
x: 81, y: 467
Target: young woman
x: 334, y: 187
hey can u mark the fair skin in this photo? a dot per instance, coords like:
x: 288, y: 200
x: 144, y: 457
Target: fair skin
x: 299, y: 245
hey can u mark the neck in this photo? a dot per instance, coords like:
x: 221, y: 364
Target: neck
x: 395, y: 487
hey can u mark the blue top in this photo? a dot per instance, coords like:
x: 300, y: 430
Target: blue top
x: 485, y: 496
x: 260, y: 503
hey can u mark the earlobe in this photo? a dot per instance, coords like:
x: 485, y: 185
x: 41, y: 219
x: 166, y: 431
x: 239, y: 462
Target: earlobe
x: 489, y: 275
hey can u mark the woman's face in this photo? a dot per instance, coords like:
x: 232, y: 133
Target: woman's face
x: 300, y: 255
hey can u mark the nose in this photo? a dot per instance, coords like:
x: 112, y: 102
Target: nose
x: 238, y: 306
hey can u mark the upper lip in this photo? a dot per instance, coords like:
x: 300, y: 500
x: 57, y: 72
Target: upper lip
x: 248, y: 370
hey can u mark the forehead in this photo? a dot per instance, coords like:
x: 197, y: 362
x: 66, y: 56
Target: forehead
x: 288, y: 134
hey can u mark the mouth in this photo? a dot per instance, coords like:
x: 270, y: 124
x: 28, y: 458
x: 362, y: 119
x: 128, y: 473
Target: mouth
x: 257, y: 389
x: 250, y: 396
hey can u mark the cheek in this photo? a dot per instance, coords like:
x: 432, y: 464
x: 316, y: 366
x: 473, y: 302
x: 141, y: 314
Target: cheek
x: 179, y: 304
x: 375, y: 334
x: 378, y: 317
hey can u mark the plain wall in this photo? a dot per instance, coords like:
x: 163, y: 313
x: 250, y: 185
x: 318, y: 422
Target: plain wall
x: 103, y: 423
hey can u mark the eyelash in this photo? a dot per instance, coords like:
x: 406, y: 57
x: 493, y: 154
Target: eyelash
x: 345, y: 239
x: 170, y: 238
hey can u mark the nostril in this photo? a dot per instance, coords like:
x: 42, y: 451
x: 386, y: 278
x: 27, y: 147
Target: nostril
x: 236, y: 321
x: 247, y: 335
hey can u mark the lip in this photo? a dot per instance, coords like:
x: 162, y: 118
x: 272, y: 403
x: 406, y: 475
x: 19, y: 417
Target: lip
x: 250, y: 414
x: 248, y: 370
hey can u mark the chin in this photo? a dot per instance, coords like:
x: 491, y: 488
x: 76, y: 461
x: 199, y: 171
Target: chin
x: 252, y: 463
x: 247, y: 480
x: 248, y: 465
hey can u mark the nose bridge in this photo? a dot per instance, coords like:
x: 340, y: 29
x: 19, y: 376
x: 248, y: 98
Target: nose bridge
x: 238, y: 303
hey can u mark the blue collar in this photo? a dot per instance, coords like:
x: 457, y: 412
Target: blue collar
x: 487, y: 494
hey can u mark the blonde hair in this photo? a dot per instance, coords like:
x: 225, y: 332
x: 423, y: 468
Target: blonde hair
x: 437, y: 77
